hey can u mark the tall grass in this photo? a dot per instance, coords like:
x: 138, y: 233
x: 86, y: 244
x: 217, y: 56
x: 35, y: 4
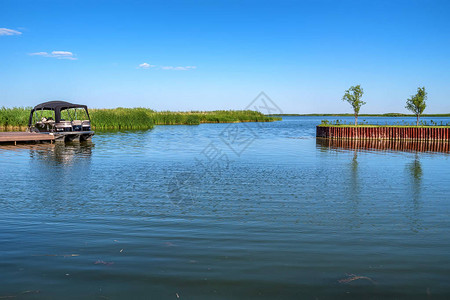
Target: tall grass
x: 217, y: 116
x: 14, y: 117
x: 121, y: 118
x: 137, y: 118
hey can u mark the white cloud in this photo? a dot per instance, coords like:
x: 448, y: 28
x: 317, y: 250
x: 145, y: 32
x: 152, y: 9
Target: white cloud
x: 178, y: 68
x: 6, y: 31
x: 62, y: 53
x: 56, y: 54
x: 39, y: 53
x: 146, y: 66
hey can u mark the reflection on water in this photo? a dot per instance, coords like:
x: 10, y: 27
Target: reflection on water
x: 413, y: 207
x: 354, y: 190
x: 416, y: 170
x: 58, y: 153
x: 409, y: 146
x: 62, y: 153
x: 287, y: 219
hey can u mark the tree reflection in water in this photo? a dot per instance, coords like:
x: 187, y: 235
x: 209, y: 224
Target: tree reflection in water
x: 355, y: 191
x: 413, y: 208
x: 414, y: 169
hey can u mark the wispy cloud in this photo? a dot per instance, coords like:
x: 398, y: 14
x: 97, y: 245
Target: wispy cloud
x: 6, y: 31
x: 178, y: 68
x: 55, y: 54
x: 146, y: 66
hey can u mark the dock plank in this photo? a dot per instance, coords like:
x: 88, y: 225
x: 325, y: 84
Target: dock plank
x: 25, y: 137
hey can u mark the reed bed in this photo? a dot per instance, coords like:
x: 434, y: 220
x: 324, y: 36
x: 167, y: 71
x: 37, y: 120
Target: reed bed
x: 217, y: 116
x: 138, y: 118
x: 121, y: 118
x: 16, y: 117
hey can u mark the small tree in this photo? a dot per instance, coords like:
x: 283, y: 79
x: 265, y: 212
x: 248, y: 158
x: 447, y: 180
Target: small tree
x: 353, y: 96
x: 416, y: 103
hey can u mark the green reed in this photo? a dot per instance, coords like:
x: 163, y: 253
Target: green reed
x: 217, y: 116
x: 121, y: 118
x: 135, y: 118
x: 14, y: 117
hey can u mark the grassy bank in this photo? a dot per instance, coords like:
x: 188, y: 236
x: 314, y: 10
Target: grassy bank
x: 139, y: 118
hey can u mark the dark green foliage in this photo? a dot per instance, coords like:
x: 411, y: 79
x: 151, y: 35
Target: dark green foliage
x: 416, y: 103
x: 353, y: 96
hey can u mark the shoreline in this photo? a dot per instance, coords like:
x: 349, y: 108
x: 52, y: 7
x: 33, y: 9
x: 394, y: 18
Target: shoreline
x: 24, y: 128
x: 16, y: 118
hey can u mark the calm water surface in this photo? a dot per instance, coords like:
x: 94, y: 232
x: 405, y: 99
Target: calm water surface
x: 242, y: 211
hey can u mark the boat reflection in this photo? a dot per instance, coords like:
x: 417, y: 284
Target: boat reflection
x: 386, y: 145
x: 59, y: 153
x: 62, y: 154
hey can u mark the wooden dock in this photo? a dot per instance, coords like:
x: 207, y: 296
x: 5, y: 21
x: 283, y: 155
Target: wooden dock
x: 15, y: 137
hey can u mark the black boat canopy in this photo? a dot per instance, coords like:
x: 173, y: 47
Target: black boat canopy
x: 56, y: 106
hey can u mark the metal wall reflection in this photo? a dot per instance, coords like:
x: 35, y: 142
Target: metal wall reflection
x: 388, y: 145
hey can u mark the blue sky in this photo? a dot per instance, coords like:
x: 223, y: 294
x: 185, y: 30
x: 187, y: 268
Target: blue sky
x: 205, y: 55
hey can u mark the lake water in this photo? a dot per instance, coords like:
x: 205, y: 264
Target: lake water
x: 224, y: 211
